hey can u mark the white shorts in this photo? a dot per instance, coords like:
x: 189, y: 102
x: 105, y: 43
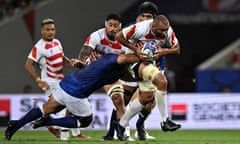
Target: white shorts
x: 52, y: 88
x: 79, y: 107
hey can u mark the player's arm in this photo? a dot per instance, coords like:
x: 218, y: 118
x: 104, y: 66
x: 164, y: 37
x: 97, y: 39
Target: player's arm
x: 83, y: 56
x: 174, y: 47
x: 173, y: 50
x: 29, y: 66
x: 85, y: 52
x: 166, y: 51
x: 120, y: 37
x: 127, y: 59
x: 67, y: 61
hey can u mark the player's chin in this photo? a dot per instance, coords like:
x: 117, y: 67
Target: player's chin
x: 49, y: 38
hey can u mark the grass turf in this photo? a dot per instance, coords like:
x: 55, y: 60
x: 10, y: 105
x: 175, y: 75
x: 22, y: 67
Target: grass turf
x: 178, y: 137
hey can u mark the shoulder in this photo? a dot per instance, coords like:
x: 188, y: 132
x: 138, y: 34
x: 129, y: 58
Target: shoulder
x: 143, y: 26
x: 56, y: 40
x: 98, y: 33
x: 40, y: 43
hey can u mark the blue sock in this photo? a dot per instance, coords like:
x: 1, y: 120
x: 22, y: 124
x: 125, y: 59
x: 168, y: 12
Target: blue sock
x: 68, y: 121
x: 112, y: 123
x: 32, y: 115
x: 140, y: 121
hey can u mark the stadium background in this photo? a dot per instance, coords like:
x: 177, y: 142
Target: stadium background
x: 203, y: 28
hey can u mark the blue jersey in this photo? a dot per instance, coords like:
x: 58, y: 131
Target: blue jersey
x: 160, y: 62
x: 82, y: 83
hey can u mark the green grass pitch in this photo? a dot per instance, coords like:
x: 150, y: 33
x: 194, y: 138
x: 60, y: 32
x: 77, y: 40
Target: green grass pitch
x: 178, y: 137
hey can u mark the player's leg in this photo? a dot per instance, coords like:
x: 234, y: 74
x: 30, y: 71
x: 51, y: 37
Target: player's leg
x: 116, y: 93
x: 161, y: 99
x: 55, y: 130
x: 44, y: 110
x: 141, y: 133
x: 136, y: 106
x: 79, y: 108
x: 111, y: 129
x: 130, y: 88
x: 127, y: 95
x: 76, y: 133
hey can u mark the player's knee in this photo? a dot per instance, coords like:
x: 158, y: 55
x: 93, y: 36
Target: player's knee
x: 149, y: 72
x: 160, y: 81
x: 84, y: 121
x: 117, y: 100
x: 116, y: 93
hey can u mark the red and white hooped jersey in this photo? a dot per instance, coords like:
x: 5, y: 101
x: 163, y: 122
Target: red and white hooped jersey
x: 100, y: 43
x: 141, y: 32
x: 49, y: 55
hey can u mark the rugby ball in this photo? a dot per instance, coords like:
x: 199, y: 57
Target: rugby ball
x: 149, y: 48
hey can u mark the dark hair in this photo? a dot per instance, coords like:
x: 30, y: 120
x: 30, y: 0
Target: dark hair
x: 114, y: 16
x: 148, y: 7
x: 47, y: 21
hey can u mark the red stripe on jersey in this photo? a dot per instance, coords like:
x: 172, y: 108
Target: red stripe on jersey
x: 56, y: 56
x: 111, y: 44
x: 56, y: 64
x: 173, y: 38
x: 149, y: 36
x: 131, y: 32
x: 55, y: 72
x: 34, y: 52
x: 93, y: 56
x: 87, y: 40
x: 55, y: 43
x: 51, y: 45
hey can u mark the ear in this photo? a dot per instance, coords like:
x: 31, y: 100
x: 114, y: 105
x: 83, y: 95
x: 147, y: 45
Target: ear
x: 105, y: 23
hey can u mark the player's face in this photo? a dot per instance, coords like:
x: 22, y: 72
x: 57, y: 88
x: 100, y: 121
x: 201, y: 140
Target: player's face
x: 48, y: 32
x: 144, y: 16
x: 112, y: 27
x: 160, y: 29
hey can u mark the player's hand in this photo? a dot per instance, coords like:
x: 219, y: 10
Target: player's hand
x: 159, y: 53
x: 139, y: 52
x: 43, y: 85
x: 78, y: 63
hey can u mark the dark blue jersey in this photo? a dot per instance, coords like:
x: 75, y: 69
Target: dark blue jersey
x: 83, y: 83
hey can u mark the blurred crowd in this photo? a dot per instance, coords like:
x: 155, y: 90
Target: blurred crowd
x: 9, y: 8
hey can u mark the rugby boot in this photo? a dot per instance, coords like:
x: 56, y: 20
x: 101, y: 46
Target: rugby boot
x: 169, y: 125
x: 11, y: 124
x: 41, y: 122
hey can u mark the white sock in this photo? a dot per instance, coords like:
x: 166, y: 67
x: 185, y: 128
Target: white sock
x: 161, y: 100
x: 134, y: 108
x: 127, y: 131
x: 75, y: 131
